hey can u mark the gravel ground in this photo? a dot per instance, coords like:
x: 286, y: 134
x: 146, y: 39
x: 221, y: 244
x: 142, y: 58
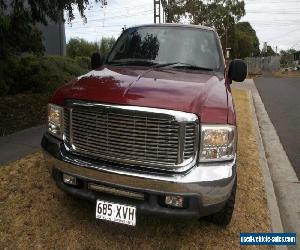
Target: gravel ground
x: 35, y: 214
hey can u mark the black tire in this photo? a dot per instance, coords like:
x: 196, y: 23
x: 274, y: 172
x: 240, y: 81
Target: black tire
x: 223, y: 217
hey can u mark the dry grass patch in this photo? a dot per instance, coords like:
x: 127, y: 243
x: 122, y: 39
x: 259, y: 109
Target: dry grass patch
x: 287, y: 74
x: 35, y: 214
x: 22, y: 111
x: 253, y: 76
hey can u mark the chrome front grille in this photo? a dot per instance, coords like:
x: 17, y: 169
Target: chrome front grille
x: 190, y: 138
x: 132, y: 135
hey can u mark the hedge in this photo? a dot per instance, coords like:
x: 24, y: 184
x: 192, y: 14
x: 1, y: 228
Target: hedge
x: 32, y: 74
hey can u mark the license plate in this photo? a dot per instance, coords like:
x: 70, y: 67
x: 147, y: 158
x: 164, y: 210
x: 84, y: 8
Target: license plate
x: 115, y: 212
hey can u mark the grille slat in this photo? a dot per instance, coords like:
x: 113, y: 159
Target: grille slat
x: 116, y: 156
x: 124, y: 116
x: 124, y: 130
x: 135, y: 134
x: 129, y: 136
x: 116, y: 117
x: 67, y: 125
x: 138, y: 142
x: 93, y: 143
x: 123, y: 126
x: 127, y: 124
x: 119, y: 152
x: 189, y: 139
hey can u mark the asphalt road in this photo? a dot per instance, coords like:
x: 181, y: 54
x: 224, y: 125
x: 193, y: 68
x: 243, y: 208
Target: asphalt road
x: 281, y: 97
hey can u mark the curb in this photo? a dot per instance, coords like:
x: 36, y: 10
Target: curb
x: 275, y: 218
x: 276, y: 222
x: 284, y: 178
x: 281, y: 183
x: 274, y: 213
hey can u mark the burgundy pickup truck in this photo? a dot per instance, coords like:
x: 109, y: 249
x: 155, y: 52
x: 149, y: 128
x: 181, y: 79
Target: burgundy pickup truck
x: 151, y: 129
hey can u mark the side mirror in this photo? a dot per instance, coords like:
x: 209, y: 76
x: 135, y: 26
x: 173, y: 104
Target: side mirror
x: 237, y: 70
x: 96, y: 60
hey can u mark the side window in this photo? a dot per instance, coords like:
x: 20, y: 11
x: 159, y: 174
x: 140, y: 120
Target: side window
x: 120, y: 51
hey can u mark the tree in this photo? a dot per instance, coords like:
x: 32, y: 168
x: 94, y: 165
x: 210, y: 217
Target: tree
x: 17, y: 35
x: 220, y: 14
x: 106, y: 44
x: 18, y: 18
x: 287, y: 57
x: 246, y: 42
x: 81, y: 47
x: 270, y: 51
x: 42, y: 11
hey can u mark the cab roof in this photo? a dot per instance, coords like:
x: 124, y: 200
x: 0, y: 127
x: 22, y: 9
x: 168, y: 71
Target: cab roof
x: 174, y: 25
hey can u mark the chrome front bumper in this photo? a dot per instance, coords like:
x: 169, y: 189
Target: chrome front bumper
x: 210, y: 183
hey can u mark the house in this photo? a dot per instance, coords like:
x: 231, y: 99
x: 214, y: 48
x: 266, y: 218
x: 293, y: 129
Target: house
x: 297, y: 57
x: 54, y: 38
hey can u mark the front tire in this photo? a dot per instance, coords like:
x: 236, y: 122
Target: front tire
x: 223, y: 217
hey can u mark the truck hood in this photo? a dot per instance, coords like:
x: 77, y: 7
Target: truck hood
x: 188, y: 91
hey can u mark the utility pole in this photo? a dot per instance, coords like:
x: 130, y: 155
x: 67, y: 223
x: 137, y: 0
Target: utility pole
x: 160, y: 13
x: 157, y: 11
x: 164, y: 12
x: 226, y: 32
x: 265, y: 49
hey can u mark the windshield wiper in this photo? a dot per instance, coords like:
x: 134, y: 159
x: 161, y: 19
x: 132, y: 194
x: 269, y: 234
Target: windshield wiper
x: 182, y: 65
x: 193, y: 67
x: 160, y: 65
x: 133, y: 62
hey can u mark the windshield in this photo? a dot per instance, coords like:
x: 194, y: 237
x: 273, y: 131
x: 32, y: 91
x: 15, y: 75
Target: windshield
x: 163, y: 45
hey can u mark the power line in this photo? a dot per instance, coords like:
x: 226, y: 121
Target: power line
x: 274, y: 24
x: 125, y: 8
x: 96, y: 32
x: 281, y: 12
x: 123, y: 15
x: 117, y: 16
x: 96, y: 26
x: 282, y: 35
x: 295, y: 45
x: 272, y: 1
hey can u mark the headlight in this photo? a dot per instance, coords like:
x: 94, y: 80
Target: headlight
x: 55, y: 120
x: 218, y: 143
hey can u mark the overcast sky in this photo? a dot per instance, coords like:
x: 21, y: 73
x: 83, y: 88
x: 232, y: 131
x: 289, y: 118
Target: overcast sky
x: 275, y: 21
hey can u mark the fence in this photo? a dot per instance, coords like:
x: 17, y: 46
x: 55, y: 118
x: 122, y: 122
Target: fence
x: 258, y: 65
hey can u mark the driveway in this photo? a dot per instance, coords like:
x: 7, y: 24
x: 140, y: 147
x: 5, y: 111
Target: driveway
x: 281, y: 97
